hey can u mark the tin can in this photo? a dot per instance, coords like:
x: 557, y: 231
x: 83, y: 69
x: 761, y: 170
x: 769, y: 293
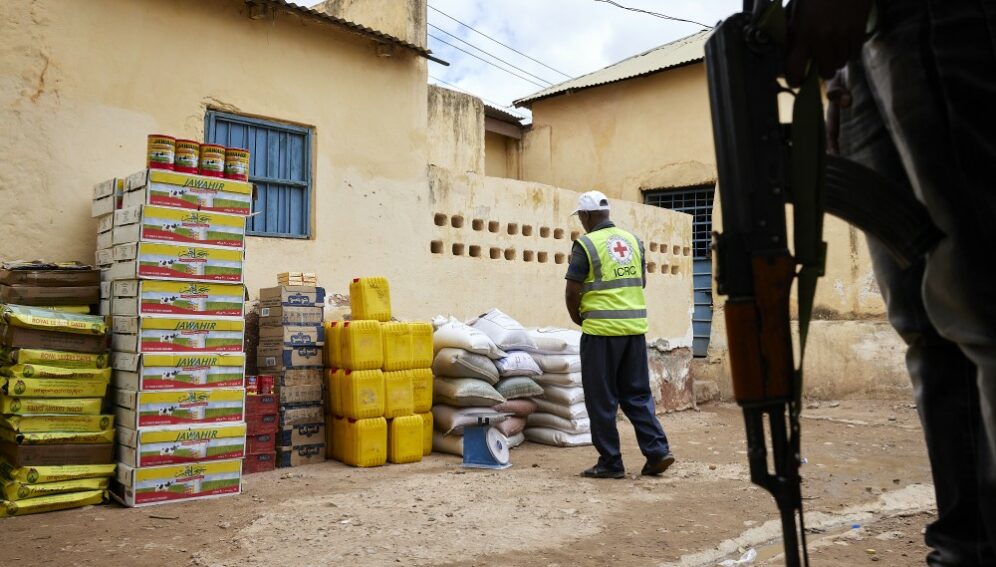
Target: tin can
x: 187, y: 156
x: 264, y: 384
x: 237, y: 164
x: 161, y: 151
x: 212, y: 160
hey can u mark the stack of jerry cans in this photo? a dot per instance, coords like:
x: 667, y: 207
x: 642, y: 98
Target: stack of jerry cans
x: 177, y: 300
x: 291, y: 338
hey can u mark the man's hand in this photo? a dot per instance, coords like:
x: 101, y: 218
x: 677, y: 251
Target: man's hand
x: 572, y: 296
x: 827, y: 33
x: 838, y: 97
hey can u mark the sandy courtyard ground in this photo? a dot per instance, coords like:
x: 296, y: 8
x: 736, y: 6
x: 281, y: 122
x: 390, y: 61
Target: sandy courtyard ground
x: 866, y: 468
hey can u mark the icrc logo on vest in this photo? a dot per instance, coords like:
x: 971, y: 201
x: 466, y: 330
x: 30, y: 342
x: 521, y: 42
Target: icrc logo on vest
x: 619, y: 250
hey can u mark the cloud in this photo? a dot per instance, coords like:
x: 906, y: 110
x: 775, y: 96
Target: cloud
x: 572, y: 36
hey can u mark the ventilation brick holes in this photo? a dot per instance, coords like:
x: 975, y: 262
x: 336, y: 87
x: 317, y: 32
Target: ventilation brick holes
x: 458, y: 249
x: 436, y: 246
x: 456, y: 221
x: 527, y: 230
x: 674, y: 270
x: 558, y: 234
x: 493, y: 226
x: 559, y: 257
x: 651, y: 267
x: 544, y: 232
x: 574, y: 235
x: 542, y: 257
x: 513, y: 228
x: 495, y: 253
x: 475, y: 251
x: 675, y: 250
x: 686, y: 251
x: 528, y: 255
x: 440, y: 219
x: 653, y: 247
x: 510, y: 253
x: 477, y: 224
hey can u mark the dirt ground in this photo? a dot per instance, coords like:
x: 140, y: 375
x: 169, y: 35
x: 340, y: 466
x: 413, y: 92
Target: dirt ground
x: 867, y: 490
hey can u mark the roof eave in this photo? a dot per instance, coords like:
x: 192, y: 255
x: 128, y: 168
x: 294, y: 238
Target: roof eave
x: 346, y: 25
x: 528, y: 101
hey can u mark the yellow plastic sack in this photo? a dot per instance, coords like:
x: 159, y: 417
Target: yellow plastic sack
x: 51, y: 503
x: 16, y: 490
x: 42, y: 371
x: 54, y: 473
x: 30, y: 406
x: 60, y: 359
x: 44, y: 423
x: 57, y: 437
x: 53, y: 387
x: 49, y: 320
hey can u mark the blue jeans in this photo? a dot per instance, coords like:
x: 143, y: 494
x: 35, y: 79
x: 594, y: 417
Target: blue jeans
x: 922, y: 114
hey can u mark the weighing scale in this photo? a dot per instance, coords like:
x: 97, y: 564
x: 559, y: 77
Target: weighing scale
x: 484, y: 447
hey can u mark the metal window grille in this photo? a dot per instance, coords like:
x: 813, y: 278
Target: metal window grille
x: 279, y: 168
x: 695, y: 201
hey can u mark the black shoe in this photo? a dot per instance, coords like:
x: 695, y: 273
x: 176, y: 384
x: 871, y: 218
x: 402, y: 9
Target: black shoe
x: 599, y: 471
x: 656, y: 467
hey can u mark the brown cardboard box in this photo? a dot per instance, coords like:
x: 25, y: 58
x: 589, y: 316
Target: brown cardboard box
x: 53, y: 278
x: 49, y: 295
x: 301, y: 455
x: 46, y: 455
x: 18, y: 337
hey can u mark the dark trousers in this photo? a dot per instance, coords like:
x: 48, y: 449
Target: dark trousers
x: 918, y: 92
x: 615, y: 374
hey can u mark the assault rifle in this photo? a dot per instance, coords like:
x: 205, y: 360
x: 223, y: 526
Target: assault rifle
x: 762, y: 165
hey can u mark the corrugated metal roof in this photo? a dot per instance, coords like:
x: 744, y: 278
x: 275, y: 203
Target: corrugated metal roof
x: 503, y: 114
x: 345, y: 24
x: 675, y: 54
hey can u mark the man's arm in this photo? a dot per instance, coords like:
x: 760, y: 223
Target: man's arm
x: 577, y: 270
x: 572, y: 296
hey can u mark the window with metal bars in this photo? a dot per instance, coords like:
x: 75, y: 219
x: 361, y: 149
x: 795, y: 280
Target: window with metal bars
x: 279, y: 168
x: 696, y: 201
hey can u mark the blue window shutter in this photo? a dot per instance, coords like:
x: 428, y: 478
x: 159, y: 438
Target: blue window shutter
x: 279, y: 167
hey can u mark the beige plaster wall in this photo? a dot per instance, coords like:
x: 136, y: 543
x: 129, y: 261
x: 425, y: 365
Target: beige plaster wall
x: 655, y: 132
x: 507, y: 242
x: 497, y: 150
x: 404, y: 19
x: 455, y: 130
x: 83, y: 83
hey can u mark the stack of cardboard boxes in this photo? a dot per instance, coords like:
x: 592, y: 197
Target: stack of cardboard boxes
x: 262, y: 419
x: 56, y: 439
x: 174, y: 288
x: 291, y: 337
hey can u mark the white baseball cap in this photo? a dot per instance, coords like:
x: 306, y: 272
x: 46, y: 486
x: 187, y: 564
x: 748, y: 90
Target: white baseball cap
x: 592, y: 201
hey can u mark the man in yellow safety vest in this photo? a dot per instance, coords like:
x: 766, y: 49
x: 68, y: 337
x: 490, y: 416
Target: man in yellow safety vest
x: 605, y: 281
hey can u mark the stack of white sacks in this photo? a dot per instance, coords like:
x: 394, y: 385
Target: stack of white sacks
x: 561, y: 418
x: 481, y: 367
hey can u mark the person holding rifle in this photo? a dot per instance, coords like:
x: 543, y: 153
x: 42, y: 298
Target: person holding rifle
x: 912, y: 101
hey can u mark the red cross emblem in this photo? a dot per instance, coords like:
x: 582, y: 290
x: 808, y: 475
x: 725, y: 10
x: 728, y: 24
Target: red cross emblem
x: 619, y: 249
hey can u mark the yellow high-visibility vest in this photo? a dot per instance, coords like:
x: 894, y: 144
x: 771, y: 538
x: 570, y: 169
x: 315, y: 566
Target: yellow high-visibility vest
x: 612, y: 300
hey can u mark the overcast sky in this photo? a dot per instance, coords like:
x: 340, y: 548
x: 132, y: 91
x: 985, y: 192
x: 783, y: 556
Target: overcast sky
x: 572, y: 36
